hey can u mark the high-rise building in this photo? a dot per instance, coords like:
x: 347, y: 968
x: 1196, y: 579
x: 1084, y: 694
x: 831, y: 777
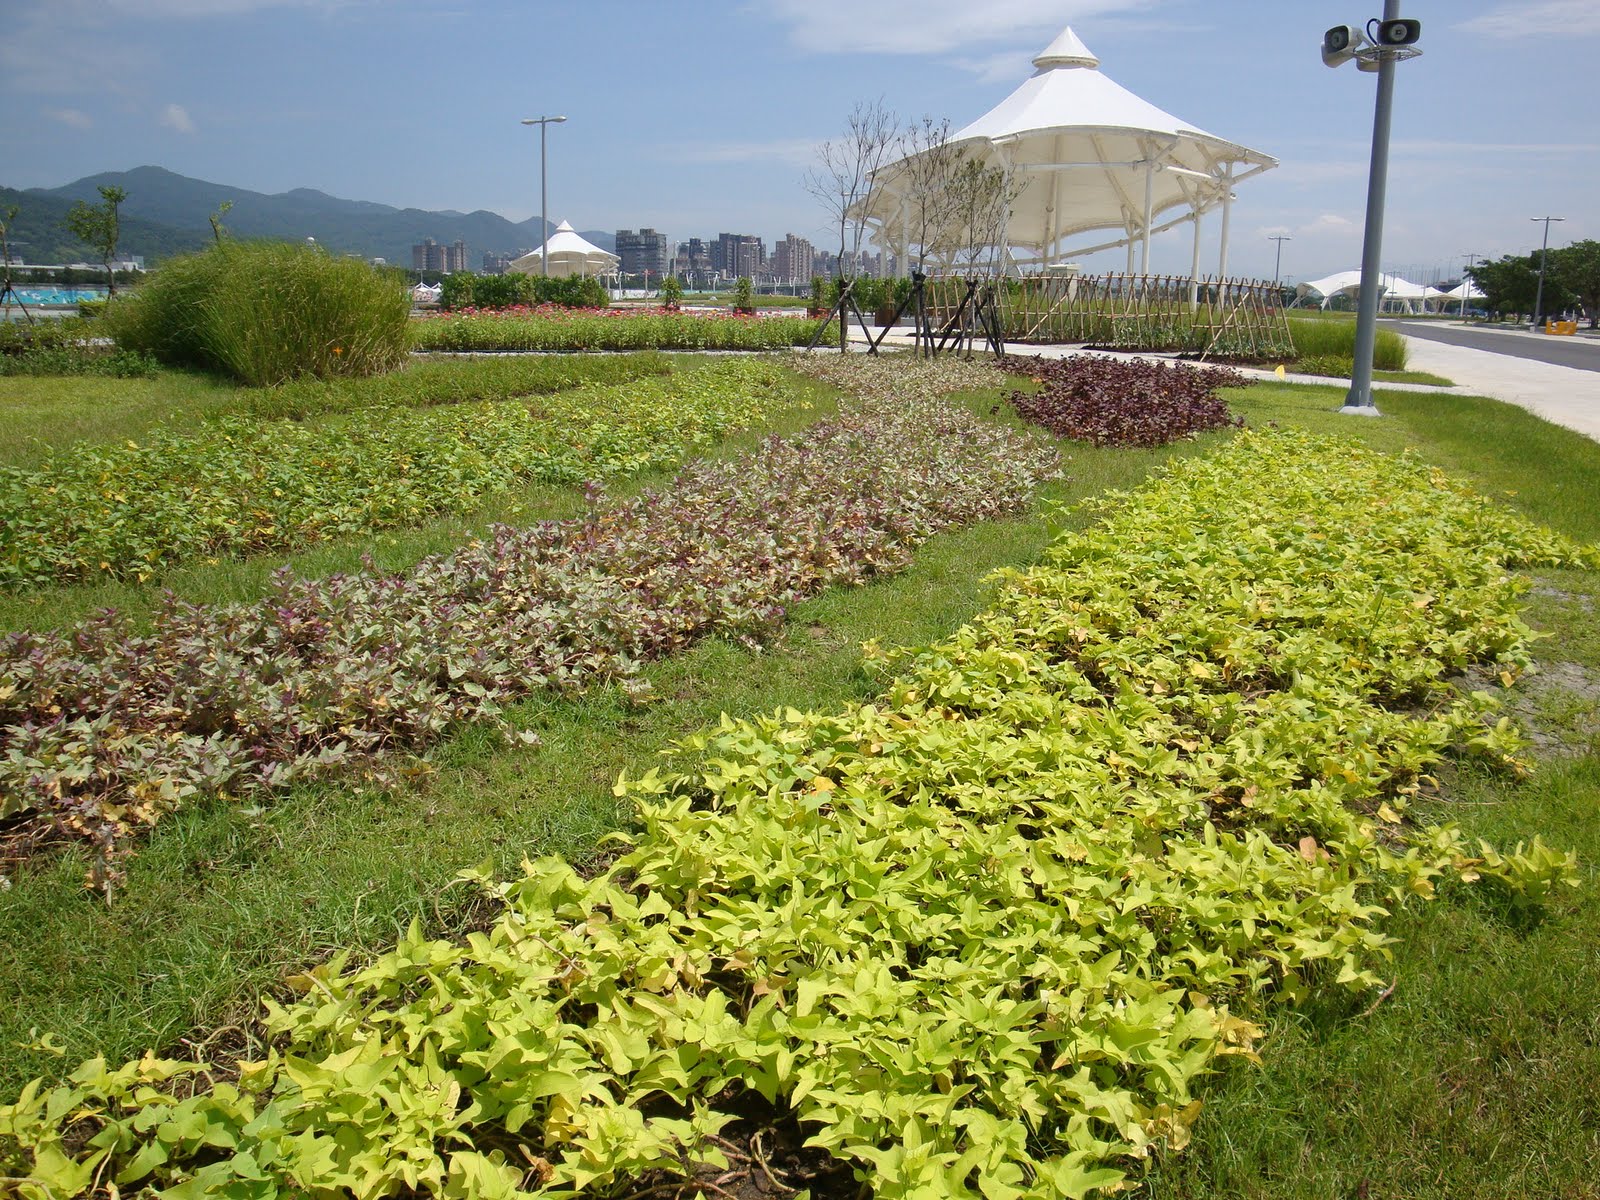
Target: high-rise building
x: 430, y: 256
x: 791, y: 259
x: 736, y: 254
x: 642, y: 251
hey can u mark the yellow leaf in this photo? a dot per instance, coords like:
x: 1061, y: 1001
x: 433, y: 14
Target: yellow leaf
x: 1385, y: 813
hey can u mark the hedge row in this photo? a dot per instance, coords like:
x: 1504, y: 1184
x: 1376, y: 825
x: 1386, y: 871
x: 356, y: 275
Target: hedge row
x: 557, y: 329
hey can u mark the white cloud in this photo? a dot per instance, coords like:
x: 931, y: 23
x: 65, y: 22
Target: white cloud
x: 930, y: 27
x: 1545, y: 18
x: 175, y: 116
x: 1327, y: 223
x: 1007, y: 67
x: 76, y: 118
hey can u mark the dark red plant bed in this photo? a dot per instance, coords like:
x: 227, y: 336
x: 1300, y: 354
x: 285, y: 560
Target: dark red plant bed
x: 1117, y: 402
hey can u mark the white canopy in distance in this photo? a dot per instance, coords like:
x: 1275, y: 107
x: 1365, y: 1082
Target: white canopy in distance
x: 1089, y: 156
x: 569, y: 254
x: 1348, y: 283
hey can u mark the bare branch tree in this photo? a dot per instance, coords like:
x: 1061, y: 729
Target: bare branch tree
x: 843, y: 175
x: 982, y: 197
x: 930, y: 166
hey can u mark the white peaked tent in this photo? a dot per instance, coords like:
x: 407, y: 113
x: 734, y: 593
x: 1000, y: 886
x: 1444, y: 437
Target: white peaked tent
x: 569, y: 254
x: 1465, y: 291
x: 1089, y: 156
x: 1348, y: 283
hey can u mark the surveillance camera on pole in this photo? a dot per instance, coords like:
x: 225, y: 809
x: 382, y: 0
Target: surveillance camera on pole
x: 1376, y: 47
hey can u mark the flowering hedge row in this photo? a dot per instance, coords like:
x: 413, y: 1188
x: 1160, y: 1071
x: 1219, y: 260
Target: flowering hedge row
x: 549, y: 328
x: 244, y: 486
x: 104, y: 729
x: 978, y: 940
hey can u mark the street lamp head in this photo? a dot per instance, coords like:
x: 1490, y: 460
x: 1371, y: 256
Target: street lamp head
x: 541, y: 120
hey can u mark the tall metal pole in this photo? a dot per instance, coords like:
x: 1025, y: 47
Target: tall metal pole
x: 1466, y: 284
x: 544, y: 207
x: 1544, y: 256
x: 1359, y: 399
x: 1277, y: 260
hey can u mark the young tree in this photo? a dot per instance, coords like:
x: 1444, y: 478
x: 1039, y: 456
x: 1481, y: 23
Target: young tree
x: 843, y: 175
x: 8, y: 294
x: 99, y: 226
x: 982, y: 198
x: 927, y: 175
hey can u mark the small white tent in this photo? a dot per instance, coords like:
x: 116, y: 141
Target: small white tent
x: 1088, y: 155
x: 569, y: 254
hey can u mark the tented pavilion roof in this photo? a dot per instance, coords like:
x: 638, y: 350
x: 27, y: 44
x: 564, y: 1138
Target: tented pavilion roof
x: 569, y: 254
x: 1348, y: 283
x: 1089, y: 156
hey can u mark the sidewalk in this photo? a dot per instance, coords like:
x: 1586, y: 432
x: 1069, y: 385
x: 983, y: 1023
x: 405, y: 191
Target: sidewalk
x: 1563, y: 395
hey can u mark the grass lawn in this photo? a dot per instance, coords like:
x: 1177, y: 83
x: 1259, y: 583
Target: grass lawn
x: 1479, y: 1076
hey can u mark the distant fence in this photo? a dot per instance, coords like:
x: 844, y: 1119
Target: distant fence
x: 1240, y: 319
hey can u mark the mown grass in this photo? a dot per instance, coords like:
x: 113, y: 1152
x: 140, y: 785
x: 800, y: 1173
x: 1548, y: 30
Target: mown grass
x: 1478, y: 1077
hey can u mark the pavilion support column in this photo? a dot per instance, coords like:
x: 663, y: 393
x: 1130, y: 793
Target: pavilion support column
x: 1129, y: 232
x: 1149, y: 200
x: 1227, y: 212
x: 1194, y: 265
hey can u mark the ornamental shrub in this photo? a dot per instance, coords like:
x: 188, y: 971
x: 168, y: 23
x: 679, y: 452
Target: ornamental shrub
x: 1315, y: 337
x: 266, y: 312
x: 1115, y: 402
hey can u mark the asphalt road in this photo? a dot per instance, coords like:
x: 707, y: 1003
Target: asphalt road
x: 1578, y: 352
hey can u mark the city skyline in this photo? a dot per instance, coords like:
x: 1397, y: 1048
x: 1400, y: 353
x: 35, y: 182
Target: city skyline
x: 338, y: 95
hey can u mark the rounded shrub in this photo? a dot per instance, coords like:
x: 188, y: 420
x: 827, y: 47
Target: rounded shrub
x: 266, y: 312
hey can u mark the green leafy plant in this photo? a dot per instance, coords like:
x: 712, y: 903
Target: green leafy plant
x: 979, y: 938
x: 245, y: 486
x: 743, y: 299
x: 671, y: 293
x: 265, y: 312
x: 558, y: 329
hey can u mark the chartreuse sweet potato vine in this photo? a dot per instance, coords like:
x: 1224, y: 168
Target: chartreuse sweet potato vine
x: 982, y: 938
x: 246, y: 486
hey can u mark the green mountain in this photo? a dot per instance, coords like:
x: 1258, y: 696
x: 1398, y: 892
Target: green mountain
x: 166, y: 212
x: 39, y: 233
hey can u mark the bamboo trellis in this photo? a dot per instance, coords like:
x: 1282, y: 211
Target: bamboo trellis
x: 1236, y: 319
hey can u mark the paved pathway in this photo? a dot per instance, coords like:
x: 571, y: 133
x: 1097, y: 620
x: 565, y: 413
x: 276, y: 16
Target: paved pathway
x: 1581, y: 353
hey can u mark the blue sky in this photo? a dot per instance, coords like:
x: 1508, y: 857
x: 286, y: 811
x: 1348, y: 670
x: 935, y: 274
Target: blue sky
x: 696, y: 118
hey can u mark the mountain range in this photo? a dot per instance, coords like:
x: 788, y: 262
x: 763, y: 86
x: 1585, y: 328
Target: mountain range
x: 167, y: 213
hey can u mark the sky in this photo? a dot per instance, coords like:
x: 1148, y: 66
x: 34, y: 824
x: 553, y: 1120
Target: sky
x: 699, y: 118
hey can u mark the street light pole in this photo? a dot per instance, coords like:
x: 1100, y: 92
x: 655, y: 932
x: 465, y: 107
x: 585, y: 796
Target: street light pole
x: 1278, y: 260
x: 1466, y: 283
x: 1544, y: 255
x: 544, y: 207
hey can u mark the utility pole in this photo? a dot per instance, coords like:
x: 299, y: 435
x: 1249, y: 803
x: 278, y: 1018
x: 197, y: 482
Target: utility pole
x: 1278, y: 259
x: 1544, y: 256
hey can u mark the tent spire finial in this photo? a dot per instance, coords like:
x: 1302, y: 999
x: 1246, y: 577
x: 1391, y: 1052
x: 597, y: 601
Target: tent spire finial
x: 1067, y: 50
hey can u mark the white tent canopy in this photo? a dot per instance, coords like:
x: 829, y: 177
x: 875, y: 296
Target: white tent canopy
x: 1465, y: 290
x: 1348, y: 283
x: 1088, y: 156
x: 569, y: 254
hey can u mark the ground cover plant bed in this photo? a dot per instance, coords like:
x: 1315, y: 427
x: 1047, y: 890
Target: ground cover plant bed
x: 243, y: 486
x: 549, y: 328
x: 981, y: 937
x: 106, y: 730
x: 1117, y: 402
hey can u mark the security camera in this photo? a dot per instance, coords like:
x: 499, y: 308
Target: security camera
x: 1404, y: 32
x: 1339, y: 44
